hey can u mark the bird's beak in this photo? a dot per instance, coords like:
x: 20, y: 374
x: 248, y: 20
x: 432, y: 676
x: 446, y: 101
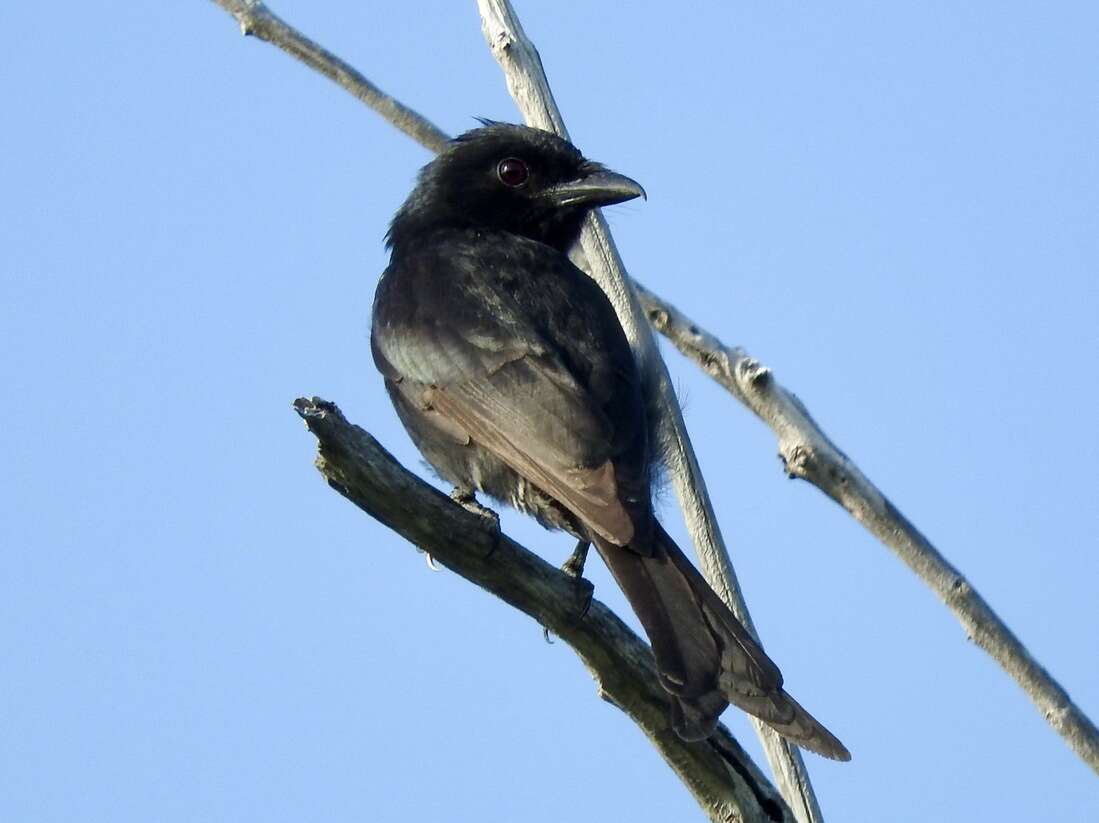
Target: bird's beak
x: 597, y: 188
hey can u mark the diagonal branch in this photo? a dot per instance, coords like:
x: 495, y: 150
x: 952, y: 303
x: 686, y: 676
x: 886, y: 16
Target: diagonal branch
x: 717, y: 772
x: 981, y: 623
x: 530, y: 89
x: 807, y: 453
x: 256, y: 20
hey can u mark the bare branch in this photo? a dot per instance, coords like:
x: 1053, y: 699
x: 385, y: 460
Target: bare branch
x: 256, y: 20
x: 717, y: 772
x: 808, y: 454
x: 529, y: 88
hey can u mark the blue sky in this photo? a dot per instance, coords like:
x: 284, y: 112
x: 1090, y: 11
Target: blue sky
x: 896, y: 206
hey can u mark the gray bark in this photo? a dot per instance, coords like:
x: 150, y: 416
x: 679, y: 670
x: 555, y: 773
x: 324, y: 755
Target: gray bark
x: 808, y: 454
x: 722, y: 778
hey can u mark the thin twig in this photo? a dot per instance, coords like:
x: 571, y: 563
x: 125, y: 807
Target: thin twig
x: 807, y: 453
x: 717, y: 772
x: 530, y: 89
x: 256, y: 20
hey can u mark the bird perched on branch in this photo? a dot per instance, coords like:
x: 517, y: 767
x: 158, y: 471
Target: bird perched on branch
x: 508, y: 367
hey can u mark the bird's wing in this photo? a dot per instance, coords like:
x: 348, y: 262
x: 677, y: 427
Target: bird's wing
x: 539, y: 422
x: 484, y: 371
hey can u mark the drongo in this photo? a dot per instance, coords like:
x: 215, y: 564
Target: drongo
x: 508, y: 367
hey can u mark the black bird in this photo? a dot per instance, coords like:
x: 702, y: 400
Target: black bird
x: 509, y: 368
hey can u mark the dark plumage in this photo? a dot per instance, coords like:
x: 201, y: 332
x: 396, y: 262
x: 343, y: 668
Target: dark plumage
x: 509, y: 369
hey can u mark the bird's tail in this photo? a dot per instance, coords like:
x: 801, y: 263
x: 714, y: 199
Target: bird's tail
x: 705, y: 656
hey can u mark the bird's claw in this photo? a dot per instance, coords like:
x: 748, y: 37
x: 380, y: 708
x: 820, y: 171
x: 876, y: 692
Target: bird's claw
x: 574, y: 566
x: 586, y: 591
x: 429, y: 559
x: 465, y: 497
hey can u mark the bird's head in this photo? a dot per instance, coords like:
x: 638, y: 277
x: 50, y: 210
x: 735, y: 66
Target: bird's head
x: 510, y: 178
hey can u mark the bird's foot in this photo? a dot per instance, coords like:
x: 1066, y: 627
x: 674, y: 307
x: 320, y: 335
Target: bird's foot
x: 465, y: 497
x: 584, y: 592
x: 574, y: 566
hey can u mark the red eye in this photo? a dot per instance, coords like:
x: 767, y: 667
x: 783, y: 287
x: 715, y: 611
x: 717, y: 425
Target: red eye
x: 512, y: 172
